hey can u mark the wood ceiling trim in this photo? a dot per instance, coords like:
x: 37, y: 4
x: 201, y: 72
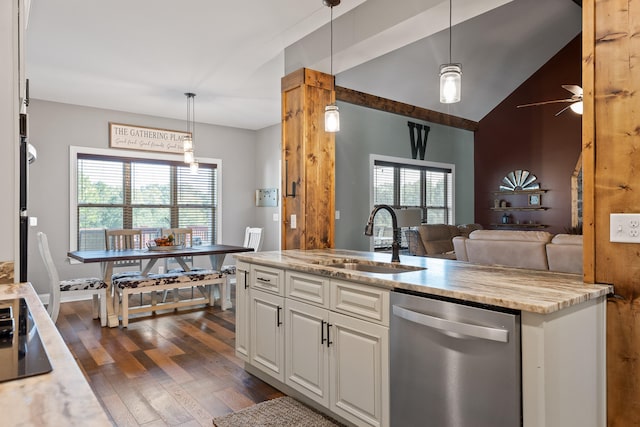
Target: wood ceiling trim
x: 390, y: 106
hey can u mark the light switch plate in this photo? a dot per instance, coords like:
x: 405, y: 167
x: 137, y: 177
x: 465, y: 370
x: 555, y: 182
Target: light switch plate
x: 293, y: 221
x: 624, y: 228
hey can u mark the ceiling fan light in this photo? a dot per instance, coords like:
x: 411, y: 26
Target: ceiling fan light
x: 331, y: 118
x: 576, y: 107
x: 450, y: 83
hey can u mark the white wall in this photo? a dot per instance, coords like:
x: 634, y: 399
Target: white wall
x: 56, y: 126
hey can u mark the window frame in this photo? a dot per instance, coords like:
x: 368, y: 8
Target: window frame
x: 74, y: 151
x: 373, y: 158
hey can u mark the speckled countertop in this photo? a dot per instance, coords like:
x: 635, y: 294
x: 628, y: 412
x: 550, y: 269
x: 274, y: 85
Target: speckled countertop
x: 528, y: 290
x: 61, y: 397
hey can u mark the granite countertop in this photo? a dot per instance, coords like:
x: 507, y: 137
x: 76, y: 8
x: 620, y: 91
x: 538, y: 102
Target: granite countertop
x: 527, y: 290
x: 61, y: 397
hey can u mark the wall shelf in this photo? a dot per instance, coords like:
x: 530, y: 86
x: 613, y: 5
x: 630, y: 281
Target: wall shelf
x: 519, y: 226
x: 520, y: 208
x: 508, y: 193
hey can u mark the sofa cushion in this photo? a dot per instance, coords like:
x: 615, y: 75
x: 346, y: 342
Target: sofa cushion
x: 531, y: 236
x: 437, y: 238
x: 466, y: 229
x: 565, y: 253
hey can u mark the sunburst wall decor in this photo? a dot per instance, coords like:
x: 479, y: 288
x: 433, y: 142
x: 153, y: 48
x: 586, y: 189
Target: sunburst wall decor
x: 518, y: 180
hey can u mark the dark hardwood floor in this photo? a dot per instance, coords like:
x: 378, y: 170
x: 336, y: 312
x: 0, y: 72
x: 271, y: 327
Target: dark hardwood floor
x: 175, y: 368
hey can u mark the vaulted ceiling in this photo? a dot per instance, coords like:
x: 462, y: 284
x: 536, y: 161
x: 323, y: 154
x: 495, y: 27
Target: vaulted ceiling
x: 142, y: 56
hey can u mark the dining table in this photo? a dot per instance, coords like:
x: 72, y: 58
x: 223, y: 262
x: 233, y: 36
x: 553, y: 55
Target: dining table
x: 107, y: 259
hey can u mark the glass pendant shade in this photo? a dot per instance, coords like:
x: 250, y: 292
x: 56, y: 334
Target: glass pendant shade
x: 187, y: 144
x: 331, y: 118
x: 193, y: 167
x: 450, y: 83
x: 576, y: 107
x: 188, y: 156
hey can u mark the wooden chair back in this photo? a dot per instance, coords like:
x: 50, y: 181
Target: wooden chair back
x: 117, y: 239
x: 181, y: 236
x: 253, y: 238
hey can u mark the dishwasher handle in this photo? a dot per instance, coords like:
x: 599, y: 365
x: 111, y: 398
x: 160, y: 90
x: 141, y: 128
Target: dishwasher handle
x: 444, y: 325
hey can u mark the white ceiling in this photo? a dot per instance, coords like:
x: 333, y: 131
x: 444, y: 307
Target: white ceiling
x: 141, y: 56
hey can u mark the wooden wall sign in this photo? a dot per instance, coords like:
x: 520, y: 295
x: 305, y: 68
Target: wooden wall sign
x: 146, y: 139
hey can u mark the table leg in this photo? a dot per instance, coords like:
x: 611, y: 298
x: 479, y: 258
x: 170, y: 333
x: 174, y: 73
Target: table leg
x: 225, y: 297
x: 112, y: 299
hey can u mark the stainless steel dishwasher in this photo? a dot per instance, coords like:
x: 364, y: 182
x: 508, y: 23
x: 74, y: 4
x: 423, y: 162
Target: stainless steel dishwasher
x: 453, y: 364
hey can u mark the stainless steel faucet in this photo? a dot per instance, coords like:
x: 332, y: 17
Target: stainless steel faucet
x: 368, y: 230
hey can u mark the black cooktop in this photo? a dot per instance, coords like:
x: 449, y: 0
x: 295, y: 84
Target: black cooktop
x: 21, y: 351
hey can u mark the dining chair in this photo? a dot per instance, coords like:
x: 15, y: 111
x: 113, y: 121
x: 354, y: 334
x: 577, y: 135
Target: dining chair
x: 253, y: 238
x: 73, y: 288
x: 123, y: 239
x: 181, y: 236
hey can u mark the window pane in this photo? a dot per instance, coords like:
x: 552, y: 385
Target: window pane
x: 100, y: 182
x: 91, y: 224
x: 151, y: 218
x: 200, y: 220
x: 196, y: 189
x: 383, y: 185
x: 150, y: 184
x: 409, y: 187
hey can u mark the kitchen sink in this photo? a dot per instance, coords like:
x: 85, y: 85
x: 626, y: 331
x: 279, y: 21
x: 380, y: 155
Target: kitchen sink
x: 374, y: 267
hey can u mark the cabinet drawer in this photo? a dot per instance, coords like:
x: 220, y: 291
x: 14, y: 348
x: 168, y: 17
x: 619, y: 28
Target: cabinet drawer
x: 268, y: 279
x: 364, y: 302
x: 308, y: 288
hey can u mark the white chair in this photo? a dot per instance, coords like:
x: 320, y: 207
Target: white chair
x: 73, y: 288
x: 253, y: 238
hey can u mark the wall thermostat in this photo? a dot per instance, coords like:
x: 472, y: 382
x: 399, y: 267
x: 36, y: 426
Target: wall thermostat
x: 267, y: 197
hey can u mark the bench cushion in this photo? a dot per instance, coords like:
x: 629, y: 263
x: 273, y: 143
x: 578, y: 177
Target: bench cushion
x: 167, y: 279
x: 82, y: 284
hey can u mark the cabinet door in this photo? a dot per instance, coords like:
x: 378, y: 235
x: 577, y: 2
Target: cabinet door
x: 267, y: 333
x: 242, y: 311
x: 307, y: 361
x: 359, y: 370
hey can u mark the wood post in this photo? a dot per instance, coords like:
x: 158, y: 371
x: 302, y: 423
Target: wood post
x: 308, y: 161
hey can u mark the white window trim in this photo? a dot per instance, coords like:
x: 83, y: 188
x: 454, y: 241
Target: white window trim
x: 73, y: 184
x: 403, y: 160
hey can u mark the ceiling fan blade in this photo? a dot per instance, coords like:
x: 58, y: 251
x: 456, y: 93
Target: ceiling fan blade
x: 574, y: 89
x: 546, y: 102
x: 563, y: 110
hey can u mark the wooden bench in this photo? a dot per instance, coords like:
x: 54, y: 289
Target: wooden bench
x: 202, y: 280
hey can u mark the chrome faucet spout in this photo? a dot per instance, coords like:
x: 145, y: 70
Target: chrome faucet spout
x: 395, y: 245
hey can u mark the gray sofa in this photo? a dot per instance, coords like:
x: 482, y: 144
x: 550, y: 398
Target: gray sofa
x: 436, y: 240
x: 537, y: 250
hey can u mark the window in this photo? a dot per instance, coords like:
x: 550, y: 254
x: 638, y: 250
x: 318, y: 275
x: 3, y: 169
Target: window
x: 404, y: 183
x: 144, y: 191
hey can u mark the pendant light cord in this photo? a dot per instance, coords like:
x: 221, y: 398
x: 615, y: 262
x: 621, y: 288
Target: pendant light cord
x: 331, y: 44
x: 450, y: 1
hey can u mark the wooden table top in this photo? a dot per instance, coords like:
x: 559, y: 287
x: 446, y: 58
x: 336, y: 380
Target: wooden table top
x: 130, y: 254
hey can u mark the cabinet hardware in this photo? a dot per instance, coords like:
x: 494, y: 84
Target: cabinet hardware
x: 322, y: 338
x: 246, y: 282
x: 286, y: 182
x: 278, y: 320
x: 329, y: 342
x: 262, y: 279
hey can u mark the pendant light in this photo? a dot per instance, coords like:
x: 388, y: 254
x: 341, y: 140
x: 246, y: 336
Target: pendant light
x: 331, y: 113
x: 187, y: 141
x: 450, y: 76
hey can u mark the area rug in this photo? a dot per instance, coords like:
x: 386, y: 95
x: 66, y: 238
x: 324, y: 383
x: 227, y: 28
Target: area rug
x: 282, y: 412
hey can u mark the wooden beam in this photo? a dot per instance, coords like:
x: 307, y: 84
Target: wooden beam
x: 390, y: 106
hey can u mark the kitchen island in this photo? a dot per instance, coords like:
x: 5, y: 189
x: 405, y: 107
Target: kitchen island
x: 346, y: 293
x: 61, y: 397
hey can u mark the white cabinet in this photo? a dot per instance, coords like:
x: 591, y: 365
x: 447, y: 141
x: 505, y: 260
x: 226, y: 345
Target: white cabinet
x: 243, y: 318
x: 307, y: 351
x: 326, y: 339
x: 359, y: 364
x: 267, y: 333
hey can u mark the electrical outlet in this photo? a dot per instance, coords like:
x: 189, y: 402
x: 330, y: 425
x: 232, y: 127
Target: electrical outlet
x: 624, y: 228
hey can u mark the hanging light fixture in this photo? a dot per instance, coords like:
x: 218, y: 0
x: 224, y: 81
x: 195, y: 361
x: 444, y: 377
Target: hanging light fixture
x: 450, y: 76
x: 331, y: 113
x: 187, y: 141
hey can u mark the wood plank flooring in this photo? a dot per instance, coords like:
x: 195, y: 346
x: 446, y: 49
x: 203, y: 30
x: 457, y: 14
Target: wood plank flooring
x: 175, y: 368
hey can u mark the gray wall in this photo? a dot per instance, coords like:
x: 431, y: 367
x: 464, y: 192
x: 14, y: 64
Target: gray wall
x: 54, y: 127
x: 267, y: 165
x: 364, y: 131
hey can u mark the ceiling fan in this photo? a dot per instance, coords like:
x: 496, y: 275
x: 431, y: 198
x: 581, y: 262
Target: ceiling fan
x: 575, y: 100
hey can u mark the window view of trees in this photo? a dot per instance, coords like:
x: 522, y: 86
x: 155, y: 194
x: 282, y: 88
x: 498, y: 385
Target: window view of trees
x: 143, y: 194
